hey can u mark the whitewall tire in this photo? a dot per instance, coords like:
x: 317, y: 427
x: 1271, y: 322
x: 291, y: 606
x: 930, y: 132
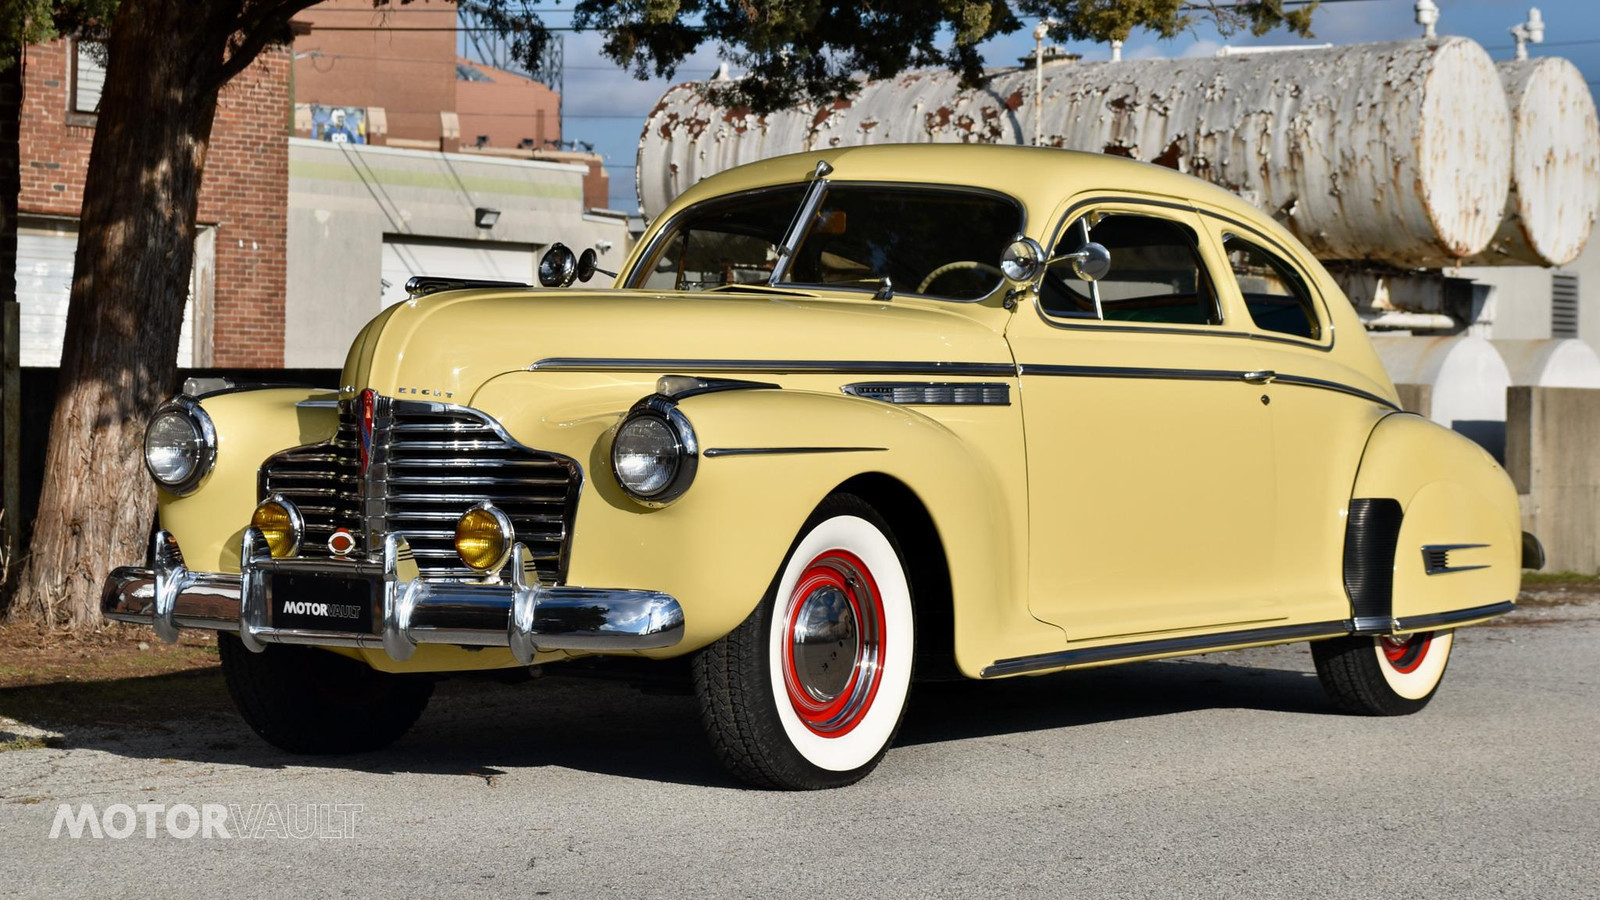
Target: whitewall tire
x: 1383, y: 676
x: 809, y: 691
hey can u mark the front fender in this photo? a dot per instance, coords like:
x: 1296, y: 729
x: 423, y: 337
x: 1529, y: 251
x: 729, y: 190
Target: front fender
x: 718, y: 548
x: 251, y: 426
x: 1452, y: 492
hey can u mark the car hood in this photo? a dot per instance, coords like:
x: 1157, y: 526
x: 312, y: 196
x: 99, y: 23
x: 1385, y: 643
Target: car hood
x: 447, y: 345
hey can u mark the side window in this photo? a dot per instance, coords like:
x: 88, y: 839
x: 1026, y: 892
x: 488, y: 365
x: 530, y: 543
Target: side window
x: 1273, y: 291
x: 1156, y: 273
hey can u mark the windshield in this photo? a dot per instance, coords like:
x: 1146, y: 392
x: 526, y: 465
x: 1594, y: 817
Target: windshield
x: 941, y: 242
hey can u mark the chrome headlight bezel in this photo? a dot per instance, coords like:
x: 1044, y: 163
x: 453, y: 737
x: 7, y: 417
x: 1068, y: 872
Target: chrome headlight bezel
x: 686, y: 450
x: 188, y: 408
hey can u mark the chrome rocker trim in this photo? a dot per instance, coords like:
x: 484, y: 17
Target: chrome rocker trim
x: 522, y: 615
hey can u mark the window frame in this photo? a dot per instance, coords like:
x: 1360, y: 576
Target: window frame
x: 1187, y: 217
x: 659, y: 239
x: 83, y: 116
x: 1219, y: 224
x: 1304, y: 283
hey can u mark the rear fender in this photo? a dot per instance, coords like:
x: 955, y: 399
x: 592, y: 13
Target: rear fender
x: 1452, y: 494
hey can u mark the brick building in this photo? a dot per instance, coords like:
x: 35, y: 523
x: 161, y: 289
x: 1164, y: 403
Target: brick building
x: 235, y: 313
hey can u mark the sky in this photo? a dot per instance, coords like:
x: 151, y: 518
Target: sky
x: 606, y: 106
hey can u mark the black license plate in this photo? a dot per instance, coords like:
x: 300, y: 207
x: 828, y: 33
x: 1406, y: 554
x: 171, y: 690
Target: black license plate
x: 322, y: 602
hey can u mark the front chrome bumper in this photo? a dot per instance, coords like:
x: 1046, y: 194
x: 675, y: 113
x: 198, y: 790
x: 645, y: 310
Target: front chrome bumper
x: 406, y: 610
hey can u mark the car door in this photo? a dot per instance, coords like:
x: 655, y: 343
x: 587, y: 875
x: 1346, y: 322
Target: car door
x: 1322, y: 411
x: 1149, y: 452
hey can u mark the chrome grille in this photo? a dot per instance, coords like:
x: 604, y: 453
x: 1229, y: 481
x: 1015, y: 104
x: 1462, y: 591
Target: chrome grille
x: 429, y: 463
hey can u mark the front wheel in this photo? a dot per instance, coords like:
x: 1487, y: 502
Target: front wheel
x: 809, y: 691
x: 307, y: 700
x: 1383, y: 676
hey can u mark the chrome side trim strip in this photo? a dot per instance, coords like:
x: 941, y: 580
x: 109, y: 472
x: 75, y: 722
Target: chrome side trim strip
x: 778, y: 451
x: 1201, y: 643
x: 1436, y: 558
x: 933, y: 393
x: 1200, y: 375
x: 1304, y: 381
x: 1440, y: 620
x: 1133, y: 372
x: 795, y: 366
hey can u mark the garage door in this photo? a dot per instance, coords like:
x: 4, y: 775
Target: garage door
x: 405, y: 256
x: 44, y: 280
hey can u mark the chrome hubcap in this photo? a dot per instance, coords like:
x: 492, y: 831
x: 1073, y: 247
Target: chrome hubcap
x: 833, y: 643
x: 825, y: 643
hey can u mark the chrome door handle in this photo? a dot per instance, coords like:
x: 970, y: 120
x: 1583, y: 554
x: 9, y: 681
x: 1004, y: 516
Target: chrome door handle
x: 1265, y: 376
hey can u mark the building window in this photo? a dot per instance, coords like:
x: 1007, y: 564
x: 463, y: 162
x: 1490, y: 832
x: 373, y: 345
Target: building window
x: 1563, y: 305
x: 88, y: 76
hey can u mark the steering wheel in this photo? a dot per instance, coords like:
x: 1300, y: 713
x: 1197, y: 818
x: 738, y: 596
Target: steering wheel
x: 960, y: 265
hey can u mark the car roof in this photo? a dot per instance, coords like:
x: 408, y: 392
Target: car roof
x: 1043, y: 175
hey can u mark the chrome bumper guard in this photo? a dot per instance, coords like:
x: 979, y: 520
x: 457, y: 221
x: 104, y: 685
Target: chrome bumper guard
x: 523, y: 615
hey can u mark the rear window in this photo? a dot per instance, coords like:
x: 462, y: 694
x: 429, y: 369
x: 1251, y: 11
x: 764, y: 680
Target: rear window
x: 1273, y: 291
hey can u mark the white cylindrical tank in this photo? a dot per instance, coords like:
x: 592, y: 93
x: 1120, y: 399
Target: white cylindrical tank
x: 1397, y: 152
x: 1467, y: 377
x: 1555, y: 165
x: 1558, y: 362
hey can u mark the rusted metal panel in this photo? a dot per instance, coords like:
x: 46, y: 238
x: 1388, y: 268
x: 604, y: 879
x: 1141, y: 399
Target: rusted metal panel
x: 1555, y: 165
x: 1398, y: 153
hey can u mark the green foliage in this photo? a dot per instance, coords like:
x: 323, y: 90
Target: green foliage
x: 25, y: 22
x: 798, y: 50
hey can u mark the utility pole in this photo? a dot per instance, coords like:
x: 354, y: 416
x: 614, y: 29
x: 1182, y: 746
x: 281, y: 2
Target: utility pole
x: 1040, y: 32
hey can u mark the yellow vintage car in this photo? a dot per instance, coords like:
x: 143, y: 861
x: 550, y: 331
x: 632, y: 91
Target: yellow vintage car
x: 843, y: 418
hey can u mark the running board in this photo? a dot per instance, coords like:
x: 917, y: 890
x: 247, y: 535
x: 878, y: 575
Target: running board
x: 1179, y: 646
x: 1206, y: 643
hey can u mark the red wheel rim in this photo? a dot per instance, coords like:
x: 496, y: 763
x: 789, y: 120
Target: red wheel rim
x: 1406, y: 654
x: 833, y: 643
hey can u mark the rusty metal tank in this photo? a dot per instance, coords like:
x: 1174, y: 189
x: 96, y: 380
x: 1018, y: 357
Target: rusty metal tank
x: 1397, y: 153
x: 1555, y: 165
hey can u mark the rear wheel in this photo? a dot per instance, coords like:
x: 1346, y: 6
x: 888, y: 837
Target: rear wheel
x: 306, y: 700
x: 809, y: 691
x: 1383, y: 676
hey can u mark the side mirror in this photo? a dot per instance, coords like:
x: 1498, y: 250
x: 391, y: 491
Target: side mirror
x: 588, y: 264
x: 1090, y: 263
x: 559, y: 266
x: 1023, y: 260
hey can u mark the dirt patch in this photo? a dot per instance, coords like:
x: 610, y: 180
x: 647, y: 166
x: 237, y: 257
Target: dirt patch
x: 29, y: 656
x: 119, y: 676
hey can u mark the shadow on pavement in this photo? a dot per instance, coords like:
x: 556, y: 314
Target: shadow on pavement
x: 483, y: 728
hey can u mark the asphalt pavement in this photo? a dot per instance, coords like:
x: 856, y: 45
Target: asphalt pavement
x: 1217, y: 777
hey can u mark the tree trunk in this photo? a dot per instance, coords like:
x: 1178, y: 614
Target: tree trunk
x: 130, y: 281
x: 10, y: 406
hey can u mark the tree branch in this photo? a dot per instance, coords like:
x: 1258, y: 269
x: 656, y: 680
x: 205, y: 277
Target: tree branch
x: 263, y: 30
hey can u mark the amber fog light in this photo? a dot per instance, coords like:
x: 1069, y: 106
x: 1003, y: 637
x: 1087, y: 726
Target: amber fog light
x: 280, y: 523
x: 483, y: 538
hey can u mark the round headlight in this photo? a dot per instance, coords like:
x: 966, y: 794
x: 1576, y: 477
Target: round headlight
x: 179, y: 445
x: 654, y: 453
x: 280, y: 523
x: 483, y: 538
x: 645, y: 454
